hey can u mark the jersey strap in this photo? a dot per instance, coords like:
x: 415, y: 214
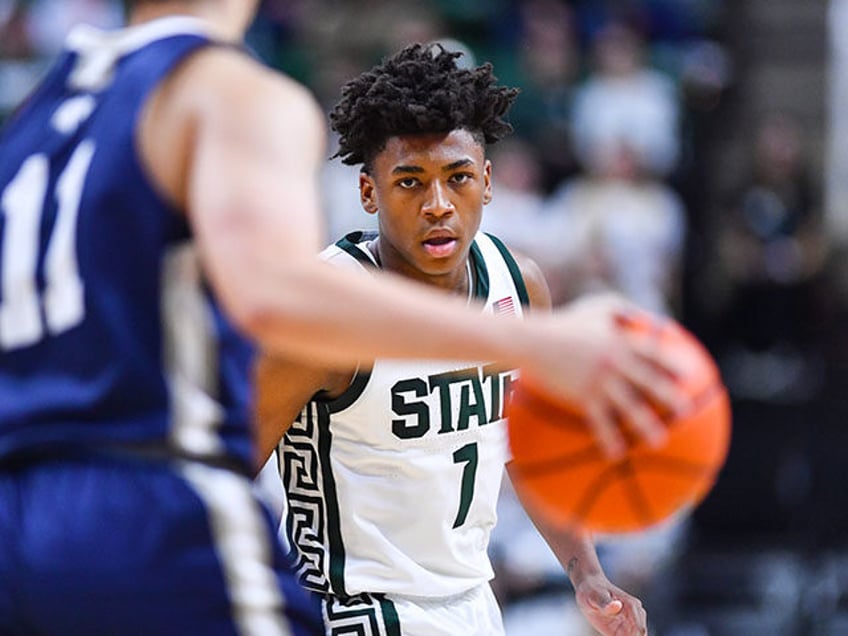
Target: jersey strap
x: 514, y: 270
x: 354, y: 244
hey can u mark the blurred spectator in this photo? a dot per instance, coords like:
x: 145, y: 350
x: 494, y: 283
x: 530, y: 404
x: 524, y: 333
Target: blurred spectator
x: 31, y: 34
x: 544, y: 62
x: 340, y: 39
x: 515, y: 211
x: 50, y: 20
x: 620, y: 230
x: 706, y: 78
x: 15, y: 43
x: 19, y: 69
x: 279, y: 36
x: 625, y: 101
x: 772, y: 251
x: 342, y: 204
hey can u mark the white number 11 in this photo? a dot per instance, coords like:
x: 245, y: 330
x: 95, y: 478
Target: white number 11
x: 22, y: 204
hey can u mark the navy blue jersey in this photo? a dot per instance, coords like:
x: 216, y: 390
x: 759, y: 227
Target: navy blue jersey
x: 124, y: 391
x: 108, y: 335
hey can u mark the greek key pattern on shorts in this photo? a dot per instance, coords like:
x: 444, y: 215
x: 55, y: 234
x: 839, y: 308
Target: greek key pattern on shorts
x: 361, y: 615
x: 307, y: 519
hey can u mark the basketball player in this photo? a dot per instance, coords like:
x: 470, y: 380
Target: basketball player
x: 392, y: 470
x: 160, y: 217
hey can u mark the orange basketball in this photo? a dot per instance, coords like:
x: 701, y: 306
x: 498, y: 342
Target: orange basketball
x: 559, y: 470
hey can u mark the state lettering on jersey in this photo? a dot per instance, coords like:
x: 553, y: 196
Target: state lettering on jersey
x: 448, y: 402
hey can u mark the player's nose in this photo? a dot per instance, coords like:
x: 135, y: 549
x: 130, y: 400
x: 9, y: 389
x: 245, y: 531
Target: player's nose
x: 437, y: 202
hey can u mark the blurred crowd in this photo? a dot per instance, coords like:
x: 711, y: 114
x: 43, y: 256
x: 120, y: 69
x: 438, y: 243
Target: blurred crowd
x: 608, y: 183
x: 600, y: 179
x: 601, y: 176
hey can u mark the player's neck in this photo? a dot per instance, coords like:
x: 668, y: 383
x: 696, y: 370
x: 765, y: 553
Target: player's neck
x: 460, y: 282
x: 226, y: 20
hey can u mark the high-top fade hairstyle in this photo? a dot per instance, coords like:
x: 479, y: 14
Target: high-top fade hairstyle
x: 420, y: 89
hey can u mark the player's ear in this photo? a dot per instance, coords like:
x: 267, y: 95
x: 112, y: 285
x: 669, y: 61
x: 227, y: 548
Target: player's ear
x: 367, y: 193
x: 487, y: 182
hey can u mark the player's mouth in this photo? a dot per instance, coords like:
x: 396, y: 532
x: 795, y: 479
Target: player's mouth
x: 440, y: 246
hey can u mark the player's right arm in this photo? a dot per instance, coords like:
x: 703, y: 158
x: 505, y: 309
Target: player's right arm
x: 608, y: 608
x: 283, y: 386
x: 240, y: 149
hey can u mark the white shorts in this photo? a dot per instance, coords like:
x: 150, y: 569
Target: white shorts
x: 472, y: 613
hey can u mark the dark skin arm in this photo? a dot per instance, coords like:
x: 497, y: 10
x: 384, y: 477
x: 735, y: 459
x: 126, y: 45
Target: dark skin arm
x: 283, y: 388
x: 609, y: 609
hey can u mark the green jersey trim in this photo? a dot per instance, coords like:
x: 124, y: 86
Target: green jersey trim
x: 334, y: 532
x: 514, y: 270
x: 481, y: 272
x: 350, y: 244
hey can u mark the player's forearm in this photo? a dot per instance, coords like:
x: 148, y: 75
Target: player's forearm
x: 574, y: 550
x: 582, y: 560
x: 323, y: 314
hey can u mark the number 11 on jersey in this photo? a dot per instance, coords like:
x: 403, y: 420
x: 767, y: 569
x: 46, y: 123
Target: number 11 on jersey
x: 23, y: 204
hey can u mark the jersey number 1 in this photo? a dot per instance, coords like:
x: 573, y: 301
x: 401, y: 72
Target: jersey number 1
x: 22, y: 204
x: 468, y: 455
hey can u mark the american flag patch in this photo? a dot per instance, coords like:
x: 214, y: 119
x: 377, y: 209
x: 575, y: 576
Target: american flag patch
x: 504, y: 307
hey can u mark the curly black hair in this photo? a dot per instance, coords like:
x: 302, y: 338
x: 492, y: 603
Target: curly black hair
x: 420, y: 89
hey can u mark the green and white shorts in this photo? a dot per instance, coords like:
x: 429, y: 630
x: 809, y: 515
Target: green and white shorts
x: 471, y: 613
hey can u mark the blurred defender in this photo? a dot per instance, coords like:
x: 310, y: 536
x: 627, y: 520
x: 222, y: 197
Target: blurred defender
x: 124, y: 395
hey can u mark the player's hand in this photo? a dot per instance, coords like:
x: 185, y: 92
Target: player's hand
x: 618, y: 376
x: 609, y: 609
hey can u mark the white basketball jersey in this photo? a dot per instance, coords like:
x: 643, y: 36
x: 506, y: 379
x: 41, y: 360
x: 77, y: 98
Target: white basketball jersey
x: 392, y: 487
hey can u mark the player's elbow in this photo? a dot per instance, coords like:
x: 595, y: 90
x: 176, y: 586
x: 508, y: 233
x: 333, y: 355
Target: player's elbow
x: 258, y: 319
x: 272, y: 315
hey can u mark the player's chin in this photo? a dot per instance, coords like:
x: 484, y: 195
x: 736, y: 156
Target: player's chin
x: 439, y: 266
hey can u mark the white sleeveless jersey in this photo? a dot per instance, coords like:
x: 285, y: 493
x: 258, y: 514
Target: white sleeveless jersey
x: 392, y: 487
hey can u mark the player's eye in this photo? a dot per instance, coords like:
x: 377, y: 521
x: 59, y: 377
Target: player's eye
x: 461, y: 177
x: 408, y: 183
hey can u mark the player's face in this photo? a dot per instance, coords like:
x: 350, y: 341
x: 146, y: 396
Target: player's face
x: 430, y: 191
